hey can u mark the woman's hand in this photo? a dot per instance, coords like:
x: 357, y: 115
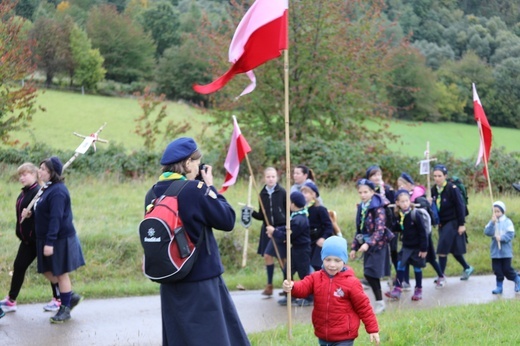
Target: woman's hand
x: 48, y: 250
x: 353, y: 254
x: 423, y: 254
x: 269, y: 230
x: 462, y: 229
x: 320, y: 241
x: 26, y: 213
x: 364, y: 248
x: 207, y: 175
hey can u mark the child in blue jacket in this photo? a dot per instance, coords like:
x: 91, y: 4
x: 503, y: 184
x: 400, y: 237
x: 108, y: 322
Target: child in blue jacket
x: 501, y: 230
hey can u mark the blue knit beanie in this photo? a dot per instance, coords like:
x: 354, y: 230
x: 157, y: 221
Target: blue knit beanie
x: 313, y: 187
x: 335, y: 246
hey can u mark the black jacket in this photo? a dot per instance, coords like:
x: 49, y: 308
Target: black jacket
x: 26, y: 231
x: 274, y: 205
x: 452, y: 205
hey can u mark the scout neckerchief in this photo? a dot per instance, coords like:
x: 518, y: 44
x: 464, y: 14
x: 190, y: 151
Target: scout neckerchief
x: 439, y: 191
x: 402, y: 216
x: 311, y: 203
x: 364, y: 209
x: 171, y: 176
x: 300, y: 212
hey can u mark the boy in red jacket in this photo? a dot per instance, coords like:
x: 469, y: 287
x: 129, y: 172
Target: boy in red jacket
x: 339, y: 300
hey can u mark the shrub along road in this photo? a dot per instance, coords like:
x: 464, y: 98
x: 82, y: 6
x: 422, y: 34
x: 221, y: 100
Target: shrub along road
x: 137, y: 320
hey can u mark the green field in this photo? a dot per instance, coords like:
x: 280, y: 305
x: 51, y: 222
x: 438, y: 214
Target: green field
x: 69, y: 112
x: 66, y: 113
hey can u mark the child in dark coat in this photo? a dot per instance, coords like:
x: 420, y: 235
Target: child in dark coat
x: 300, y: 240
x: 339, y: 300
x: 415, y: 245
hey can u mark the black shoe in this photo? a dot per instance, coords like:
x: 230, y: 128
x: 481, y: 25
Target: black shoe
x: 62, y: 315
x: 2, y: 313
x: 282, y: 294
x: 75, y: 299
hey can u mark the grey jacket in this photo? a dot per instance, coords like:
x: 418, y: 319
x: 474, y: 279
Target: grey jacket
x: 506, y: 230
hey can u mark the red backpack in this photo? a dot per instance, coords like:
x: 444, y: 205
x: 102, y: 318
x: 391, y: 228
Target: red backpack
x: 169, y: 253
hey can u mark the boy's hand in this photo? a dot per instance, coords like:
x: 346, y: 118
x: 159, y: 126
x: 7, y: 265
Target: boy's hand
x: 374, y: 337
x: 287, y: 286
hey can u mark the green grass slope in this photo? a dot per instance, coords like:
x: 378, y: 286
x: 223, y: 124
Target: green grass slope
x: 69, y: 112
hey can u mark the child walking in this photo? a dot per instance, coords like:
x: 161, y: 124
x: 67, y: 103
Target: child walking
x: 372, y: 239
x: 300, y: 241
x: 501, y: 257
x: 339, y: 300
x: 415, y: 245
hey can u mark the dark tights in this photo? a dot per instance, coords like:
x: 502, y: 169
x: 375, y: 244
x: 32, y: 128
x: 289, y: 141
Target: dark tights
x: 375, y: 284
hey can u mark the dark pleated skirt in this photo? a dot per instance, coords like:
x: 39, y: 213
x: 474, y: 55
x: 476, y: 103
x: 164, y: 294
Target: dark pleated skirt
x: 376, y: 262
x: 200, y: 313
x: 450, y: 241
x: 67, y: 256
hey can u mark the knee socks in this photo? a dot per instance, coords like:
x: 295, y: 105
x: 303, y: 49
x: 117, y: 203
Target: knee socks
x: 418, y: 277
x: 443, y: 261
x: 55, y: 291
x: 65, y: 298
x: 462, y: 261
x: 270, y: 272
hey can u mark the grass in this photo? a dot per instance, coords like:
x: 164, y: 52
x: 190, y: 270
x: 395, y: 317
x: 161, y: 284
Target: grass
x: 487, y: 324
x: 70, y: 112
x: 66, y: 113
x: 107, y: 212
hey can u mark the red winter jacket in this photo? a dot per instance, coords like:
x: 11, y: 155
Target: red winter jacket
x: 339, y: 305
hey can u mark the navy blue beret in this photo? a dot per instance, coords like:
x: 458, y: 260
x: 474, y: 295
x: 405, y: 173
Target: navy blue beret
x: 313, y: 187
x: 441, y: 168
x: 178, y: 150
x: 407, y: 177
x: 371, y: 169
x: 298, y: 199
x: 366, y: 182
x: 401, y: 191
x: 56, y: 165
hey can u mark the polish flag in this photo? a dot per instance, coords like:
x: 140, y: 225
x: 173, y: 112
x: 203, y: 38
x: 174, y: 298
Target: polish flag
x: 484, y: 130
x: 238, y: 149
x: 260, y: 36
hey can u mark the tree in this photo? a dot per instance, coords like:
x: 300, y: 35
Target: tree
x: 52, y: 49
x: 180, y: 68
x: 88, y: 62
x: 128, y: 51
x: 162, y: 22
x: 339, y: 63
x: 507, y: 77
x: 26, y: 8
x: 150, y: 123
x: 17, y: 103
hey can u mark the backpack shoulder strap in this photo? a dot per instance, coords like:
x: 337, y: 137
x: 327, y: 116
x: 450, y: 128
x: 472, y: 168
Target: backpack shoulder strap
x: 176, y: 187
x: 414, y: 215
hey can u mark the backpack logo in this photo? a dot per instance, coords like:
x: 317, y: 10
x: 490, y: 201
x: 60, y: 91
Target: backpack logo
x: 169, y: 253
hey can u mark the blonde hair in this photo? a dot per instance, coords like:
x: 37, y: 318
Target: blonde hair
x: 316, y: 200
x: 29, y: 167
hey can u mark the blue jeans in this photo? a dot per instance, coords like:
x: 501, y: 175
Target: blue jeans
x: 336, y: 343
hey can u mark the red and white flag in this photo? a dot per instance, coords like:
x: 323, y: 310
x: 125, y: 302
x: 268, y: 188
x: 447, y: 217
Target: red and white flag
x: 238, y: 149
x: 260, y: 36
x: 484, y: 130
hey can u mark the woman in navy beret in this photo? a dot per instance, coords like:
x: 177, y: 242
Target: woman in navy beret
x: 198, y: 310
x: 58, y: 247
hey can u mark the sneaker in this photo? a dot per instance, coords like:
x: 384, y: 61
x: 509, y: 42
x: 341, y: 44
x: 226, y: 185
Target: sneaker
x: 467, y: 273
x: 406, y: 287
x: 440, y: 282
x: 53, y: 305
x: 417, y: 294
x: 379, y: 307
x: 7, y: 305
x: 62, y: 315
x: 2, y: 313
x: 517, y: 285
x: 75, y: 299
x: 303, y: 302
x: 394, y: 294
x: 283, y: 301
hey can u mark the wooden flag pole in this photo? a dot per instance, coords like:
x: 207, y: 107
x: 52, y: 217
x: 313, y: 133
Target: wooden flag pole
x: 246, y: 236
x: 428, y: 182
x: 288, y: 189
x: 83, y: 147
x: 488, y: 181
x: 262, y: 207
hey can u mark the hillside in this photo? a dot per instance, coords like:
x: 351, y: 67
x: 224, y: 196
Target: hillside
x: 67, y: 113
